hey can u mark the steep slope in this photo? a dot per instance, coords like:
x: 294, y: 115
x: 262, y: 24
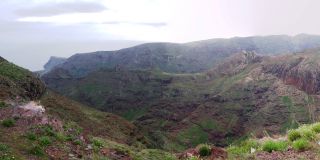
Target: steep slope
x: 240, y: 96
x: 184, y: 58
x: 54, y: 127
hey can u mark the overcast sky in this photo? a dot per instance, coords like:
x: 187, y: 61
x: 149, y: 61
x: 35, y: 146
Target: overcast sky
x: 33, y: 30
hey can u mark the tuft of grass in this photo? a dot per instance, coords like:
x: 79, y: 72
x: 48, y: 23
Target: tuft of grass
x: 45, y: 141
x: 97, y: 143
x: 3, y: 104
x: 300, y: 145
x: 293, y: 135
x: 243, y: 148
x: 8, y: 122
x: 3, y: 147
x: 316, y: 127
x: 204, y: 150
x: 37, y: 151
x: 193, y: 158
x: 31, y: 136
x: 270, y: 146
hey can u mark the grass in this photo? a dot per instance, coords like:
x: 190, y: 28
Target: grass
x: 271, y: 145
x: 36, y: 150
x: 316, y: 127
x: 3, y: 104
x: 45, y: 141
x: 293, y: 135
x: 31, y: 136
x: 301, y: 145
x: 204, y: 150
x: 243, y: 149
x: 8, y: 122
x: 194, y: 135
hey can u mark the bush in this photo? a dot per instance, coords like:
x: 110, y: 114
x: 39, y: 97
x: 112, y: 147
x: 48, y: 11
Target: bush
x: 45, y: 141
x: 8, y: 122
x: 307, y: 133
x: 31, y: 136
x: 37, y: 151
x: 270, y: 146
x: 316, y: 127
x: 300, y: 144
x: 3, y: 147
x: 294, y: 135
x: 2, y: 104
x: 204, y: 150
x: 97, y: 143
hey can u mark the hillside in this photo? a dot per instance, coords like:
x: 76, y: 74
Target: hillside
x: 184, y: 58
x: 244, y: 94
x: 39, y: 124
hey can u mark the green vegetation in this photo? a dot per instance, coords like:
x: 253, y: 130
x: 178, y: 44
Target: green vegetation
x: 2, y: 104
x: 243, y: 149
x: 300, y: 144
x: 154, y: 154
x: 31, y: 136
x: 204, y: 150
x: 293, y: 135
x: 194, y: 158
x: 37, y: 151
x: 194, y: 135
x: 316, y: 127
x: 8, y: 122
x: 97, y: 142
x: 3, y: 147
x: 45, y: 141
x: 271, y: 145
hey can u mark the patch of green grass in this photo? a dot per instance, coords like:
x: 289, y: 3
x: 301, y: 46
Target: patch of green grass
x: 270, y: 146
x: 193, y: 158
x: 37, y: 151
x: 31, y: 136
x: 45, y: 141
x: 154, y: 154
x: 8, y: 122
x: 300, y: 144
x: 243, y: 148
x: 97, y: 142
x: 3, y: 147
x: 316, y: 127
x: 293, y: 135
x: 194, y: 135
x: 204, y: 150
x: 2, y: 104
x: 133, y: 114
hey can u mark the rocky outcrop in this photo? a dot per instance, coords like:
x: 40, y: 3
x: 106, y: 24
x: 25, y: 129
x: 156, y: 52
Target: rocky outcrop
x: 302, y: 71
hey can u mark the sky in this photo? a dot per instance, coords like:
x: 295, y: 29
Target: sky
x: 33, y: 30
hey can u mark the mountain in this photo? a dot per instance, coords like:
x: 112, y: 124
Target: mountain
x: 242, y: 95
x: 36, y: 123
x: 184, y: 58
x: 53, y: 61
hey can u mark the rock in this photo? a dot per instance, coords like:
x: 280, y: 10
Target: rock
x: 218, y: 153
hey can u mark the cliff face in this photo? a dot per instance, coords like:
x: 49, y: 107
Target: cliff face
x: 16, y: 82
x: 301, y: 70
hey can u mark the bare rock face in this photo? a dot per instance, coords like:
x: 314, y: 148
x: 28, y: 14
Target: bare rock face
x: 31, y: 109
x: 302, y: 71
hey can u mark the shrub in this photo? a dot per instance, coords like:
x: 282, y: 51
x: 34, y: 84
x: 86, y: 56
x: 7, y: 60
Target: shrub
x: 307, y: 133
x: 300, y: 144
x: 293, y: 135
x: 204, y: 150
x: 47, y: 130
x: 2, y: 104
x: 37, y: 151
x: 97, y: 143
x: 8, y: 122
x: 31, y: 136
x: 316, y: 127
x: 3, y: 147
x: 45, y: 141
x: 270, y: 146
